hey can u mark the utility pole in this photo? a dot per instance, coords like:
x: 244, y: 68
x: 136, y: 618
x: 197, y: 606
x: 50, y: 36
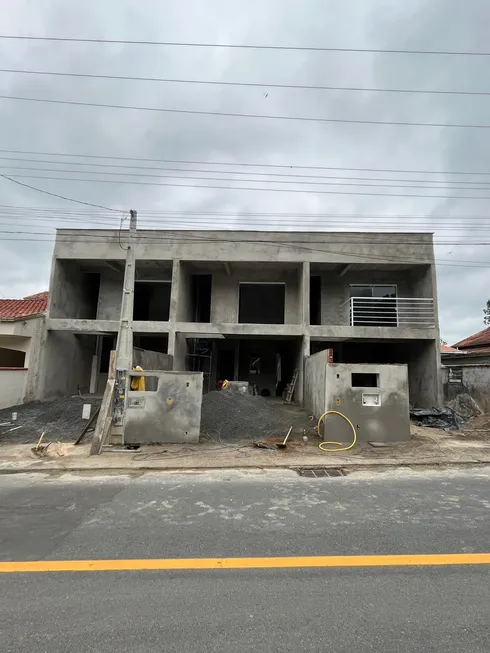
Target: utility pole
x: 124, y: 346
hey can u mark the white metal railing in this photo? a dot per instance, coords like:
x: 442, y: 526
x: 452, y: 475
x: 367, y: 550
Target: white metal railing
x: 389, y: 311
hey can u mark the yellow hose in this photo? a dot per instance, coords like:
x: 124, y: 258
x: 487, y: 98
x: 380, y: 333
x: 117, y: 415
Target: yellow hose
x: 325, y: 446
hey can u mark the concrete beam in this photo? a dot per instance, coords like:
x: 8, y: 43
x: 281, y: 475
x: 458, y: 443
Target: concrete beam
x: 328, y: 332
x: 150, y: 327
x: 258, y: 330
x: 82, y: 326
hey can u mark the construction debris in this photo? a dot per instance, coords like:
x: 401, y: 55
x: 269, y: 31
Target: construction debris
x: 61, y: 418
x: 40, y: 449
x: 274, y: 443
x: 89, y: 426
x: 235, y: 416
x: 439, y: 418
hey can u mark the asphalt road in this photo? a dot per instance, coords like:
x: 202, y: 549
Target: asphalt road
x: 231, y: 514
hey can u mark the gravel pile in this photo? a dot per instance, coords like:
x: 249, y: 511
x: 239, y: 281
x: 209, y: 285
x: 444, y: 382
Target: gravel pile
x: 61, y: 419
x: 237, y: 416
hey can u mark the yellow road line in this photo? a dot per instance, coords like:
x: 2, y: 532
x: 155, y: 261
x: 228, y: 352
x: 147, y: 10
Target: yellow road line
x: 293, y: 562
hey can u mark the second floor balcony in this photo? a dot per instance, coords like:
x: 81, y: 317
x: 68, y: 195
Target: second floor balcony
x: 389, y: 311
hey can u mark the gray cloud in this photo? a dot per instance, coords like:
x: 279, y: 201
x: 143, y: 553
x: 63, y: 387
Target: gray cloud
x: 439, y: 24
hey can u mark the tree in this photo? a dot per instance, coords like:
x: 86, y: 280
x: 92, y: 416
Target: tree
x: 486, y: 313
x: 443, y: 342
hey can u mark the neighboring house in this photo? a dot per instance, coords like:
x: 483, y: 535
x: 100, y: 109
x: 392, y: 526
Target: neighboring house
x: 467, y: 371
x: 245, y: 305
x: 22, y: 328
x: 475, y: 348
x: 478, y: 343
x: 446, y: 349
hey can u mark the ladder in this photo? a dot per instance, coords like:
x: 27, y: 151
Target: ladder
x: 290, y: 387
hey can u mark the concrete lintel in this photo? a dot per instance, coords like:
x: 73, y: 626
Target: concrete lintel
x: 370, y: 333
x: 83, y: 326
x: 240, y: 329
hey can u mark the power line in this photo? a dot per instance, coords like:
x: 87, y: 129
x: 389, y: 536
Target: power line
x: 245, y: 46
x: 230, y: 114
x: 223, y: 172
x: 220, y: 222
x: 454, y: 223
x: 248, y: 164
x: 267, y: 190
x: 245, y: 214
x: 258, y: 181
x: 254, y: 213
x: 45, y: 192
x: 312, y: 87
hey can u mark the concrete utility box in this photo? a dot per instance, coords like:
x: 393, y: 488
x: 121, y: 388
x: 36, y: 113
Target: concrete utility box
x: 169, y: 411
x: 374, y: 397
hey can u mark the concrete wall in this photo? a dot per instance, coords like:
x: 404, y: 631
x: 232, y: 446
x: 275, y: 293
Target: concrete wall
x: 225, y: 292
x: 266, y: 351
x: 151, y: 360
x: 12, y: 387
x: 170, y: 414
x: 69, y: 295
x: 110, y: 297
x: 475, y: 381
x: 337, y: 247
x: 335, y: 290
x: 66, y: 364
x: 330, y: 387
x: 424, y: 374
x: 34, y: 358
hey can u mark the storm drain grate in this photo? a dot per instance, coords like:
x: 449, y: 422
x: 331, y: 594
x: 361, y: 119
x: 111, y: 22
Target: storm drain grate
x: 320, y: 472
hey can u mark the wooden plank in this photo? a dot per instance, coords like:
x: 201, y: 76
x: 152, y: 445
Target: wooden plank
x: 105, y: 419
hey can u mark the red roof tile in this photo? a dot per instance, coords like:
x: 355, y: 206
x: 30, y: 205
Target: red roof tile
x: 39, y: 295
x: 476, y: 340
x: 447, y: 349
x: 16, y: 309
x: 476, y: 350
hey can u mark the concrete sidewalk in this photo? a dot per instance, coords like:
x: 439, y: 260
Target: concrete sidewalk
x: 427, y: 447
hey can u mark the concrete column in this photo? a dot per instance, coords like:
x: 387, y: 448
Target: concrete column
x: 303, y: 353
x: 94, y: 372
x: 304, y: 294
x: 180, y: 352
x: 236, y: 369
x: 171, y: 346
x: 174, y: 294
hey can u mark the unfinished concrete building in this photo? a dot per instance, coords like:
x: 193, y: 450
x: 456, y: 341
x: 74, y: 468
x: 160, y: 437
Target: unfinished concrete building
x: 246, y: 306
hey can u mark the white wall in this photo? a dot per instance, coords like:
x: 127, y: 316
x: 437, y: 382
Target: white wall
x: 12, y: 384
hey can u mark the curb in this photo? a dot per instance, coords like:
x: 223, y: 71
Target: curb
x: 348, y: 467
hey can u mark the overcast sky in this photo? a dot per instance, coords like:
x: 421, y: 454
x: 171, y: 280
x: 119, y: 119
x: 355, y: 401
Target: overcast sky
x: 388, y: 24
